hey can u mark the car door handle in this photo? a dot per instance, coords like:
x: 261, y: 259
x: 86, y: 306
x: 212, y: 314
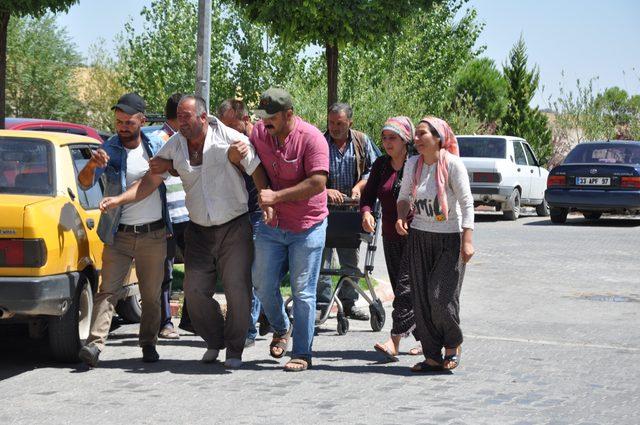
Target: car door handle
x: 531, y: 171
x: 518, y: 170
x: 90, y: 223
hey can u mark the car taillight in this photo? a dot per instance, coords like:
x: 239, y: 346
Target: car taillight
x: 487, y: 177
x: 555, y: 180
x: 22, y: 253
x: 630, y: 182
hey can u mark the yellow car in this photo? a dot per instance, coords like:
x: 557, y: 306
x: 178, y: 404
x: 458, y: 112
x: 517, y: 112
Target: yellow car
x: 50, y: 253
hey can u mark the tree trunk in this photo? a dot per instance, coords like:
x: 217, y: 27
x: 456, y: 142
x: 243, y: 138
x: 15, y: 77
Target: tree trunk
x: 4, y: 27
x: 331, y: 53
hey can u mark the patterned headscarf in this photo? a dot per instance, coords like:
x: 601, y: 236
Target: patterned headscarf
x: 402, y: 126
x: 448, y: 143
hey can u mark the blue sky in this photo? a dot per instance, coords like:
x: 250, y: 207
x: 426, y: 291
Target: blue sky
x: 578, y: 38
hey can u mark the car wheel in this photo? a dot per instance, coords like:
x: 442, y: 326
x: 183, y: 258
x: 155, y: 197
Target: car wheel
x: 514, y: 206
x: 559, y: 215
x: 542, y: 209
x: 130, y: 308
x: 68, y: 333
x: 592, y: 215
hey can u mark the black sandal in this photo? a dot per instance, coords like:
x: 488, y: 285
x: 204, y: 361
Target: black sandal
x: 424, y: 367
x: 452, y: 358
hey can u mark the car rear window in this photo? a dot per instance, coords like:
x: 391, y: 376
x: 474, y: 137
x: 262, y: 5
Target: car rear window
x: 600, y: 153
x: 26, y: 166
x: 482, y: 147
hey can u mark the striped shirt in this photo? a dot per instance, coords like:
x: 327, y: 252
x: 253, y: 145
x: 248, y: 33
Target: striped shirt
x: 342, y: 165
x: 175, y: 192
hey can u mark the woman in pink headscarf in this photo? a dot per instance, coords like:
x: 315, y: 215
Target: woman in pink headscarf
x: 436, y: 191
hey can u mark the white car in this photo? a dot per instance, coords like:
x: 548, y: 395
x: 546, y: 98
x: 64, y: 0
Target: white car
x: 504, y: 173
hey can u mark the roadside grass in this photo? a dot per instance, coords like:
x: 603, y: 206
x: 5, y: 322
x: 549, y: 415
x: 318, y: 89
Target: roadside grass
x: 285, y: 288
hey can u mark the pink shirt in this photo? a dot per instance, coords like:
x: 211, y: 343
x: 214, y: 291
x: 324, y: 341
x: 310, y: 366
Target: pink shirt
x: 305, y: 151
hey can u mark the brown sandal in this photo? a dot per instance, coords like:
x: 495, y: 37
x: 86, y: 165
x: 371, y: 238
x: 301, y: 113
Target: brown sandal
x: 298, y: 361
x: 281, y: 342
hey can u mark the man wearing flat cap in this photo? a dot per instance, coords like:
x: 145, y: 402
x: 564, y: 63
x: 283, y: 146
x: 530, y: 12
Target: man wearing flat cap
x: 137, y: 231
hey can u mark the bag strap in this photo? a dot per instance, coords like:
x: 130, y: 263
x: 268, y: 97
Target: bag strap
x: 359, y: 141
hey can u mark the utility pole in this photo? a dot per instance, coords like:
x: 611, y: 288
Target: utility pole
x: 203, y: 52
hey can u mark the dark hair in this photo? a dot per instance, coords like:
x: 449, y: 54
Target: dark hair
x: 432, y: 130
x: 201, y: 105
x: 171, y: 107
x: 338, y: 107
x: 238, y: 107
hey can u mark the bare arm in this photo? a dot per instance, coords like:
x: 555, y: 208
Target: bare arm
x: 139, y: 190
x: 312, y: 185
x: 401, y: 223
x: 259, y: 177
x: 99, y: 159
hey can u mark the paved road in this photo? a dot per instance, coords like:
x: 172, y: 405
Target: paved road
x: 551, y: 316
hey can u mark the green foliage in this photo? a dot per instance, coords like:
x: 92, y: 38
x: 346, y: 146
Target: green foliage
x: 160, y: 59
x: 41, y: 61
x: 408, y: 73
x: 34, y: 8
x: 582, y: 115
x: 520, y: 119
x: 335, y: 22
x: 481, y: 87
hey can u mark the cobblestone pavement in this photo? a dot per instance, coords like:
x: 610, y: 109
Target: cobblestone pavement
x: 552, y: 335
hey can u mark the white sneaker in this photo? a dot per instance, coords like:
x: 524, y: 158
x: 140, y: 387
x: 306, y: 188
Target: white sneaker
x: 233, y: 363
x: 210, y: 356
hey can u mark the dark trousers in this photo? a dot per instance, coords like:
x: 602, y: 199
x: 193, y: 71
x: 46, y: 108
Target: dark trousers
x: 436, y: 273
x: 226, y: 251
x: 397, y: 262
x: 176, y: 240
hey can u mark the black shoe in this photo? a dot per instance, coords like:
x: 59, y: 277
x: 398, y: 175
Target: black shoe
x: 149, y: 354
x: 89, y: 355
x: 356, y: 313
x: 187, y: 327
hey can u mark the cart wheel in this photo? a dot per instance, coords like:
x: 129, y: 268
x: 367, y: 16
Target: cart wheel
x: 377, y: 315
x: 343, y: 325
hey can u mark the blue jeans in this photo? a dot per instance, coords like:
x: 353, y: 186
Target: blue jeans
x: 303, y: 251
x: 255, y: 217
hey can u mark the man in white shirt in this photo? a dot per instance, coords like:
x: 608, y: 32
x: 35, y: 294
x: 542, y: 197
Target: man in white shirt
x: 219, y: 238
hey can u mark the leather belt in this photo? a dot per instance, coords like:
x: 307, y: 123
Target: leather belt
x: 141, y: 228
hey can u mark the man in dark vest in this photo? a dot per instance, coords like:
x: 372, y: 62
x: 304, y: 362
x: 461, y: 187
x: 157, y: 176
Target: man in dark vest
x: 351, y: 154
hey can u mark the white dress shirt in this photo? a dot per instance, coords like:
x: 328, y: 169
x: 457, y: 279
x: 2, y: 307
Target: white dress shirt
x: 216, y: 192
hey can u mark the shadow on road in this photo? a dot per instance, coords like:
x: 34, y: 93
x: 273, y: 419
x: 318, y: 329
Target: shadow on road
x: 579, y: 221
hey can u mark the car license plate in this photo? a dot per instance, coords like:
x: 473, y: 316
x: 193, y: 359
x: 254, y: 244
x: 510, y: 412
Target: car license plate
x: 593, y: 181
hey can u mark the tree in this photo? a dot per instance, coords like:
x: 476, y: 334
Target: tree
x: 41, y: 61
x: 98, y: 87
x: 332, y: 24
x: 481, y: 86
x: 520, y: 119
x: 161, y: 58
x: 19, y: 8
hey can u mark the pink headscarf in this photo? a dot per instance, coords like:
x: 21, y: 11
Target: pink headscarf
x: 448, y: 143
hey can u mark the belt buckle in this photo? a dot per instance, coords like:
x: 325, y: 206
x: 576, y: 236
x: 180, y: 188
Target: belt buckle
x: 136, y: 227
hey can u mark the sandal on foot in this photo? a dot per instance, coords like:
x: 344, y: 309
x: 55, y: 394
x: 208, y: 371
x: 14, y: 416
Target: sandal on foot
x: 424, y: 367
x: 451, y: 361
x: 297, y: 364
x: 385, y: 351
x: 280, y: 342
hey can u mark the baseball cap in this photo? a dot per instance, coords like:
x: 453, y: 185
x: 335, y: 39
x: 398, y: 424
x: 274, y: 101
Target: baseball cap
x: 130, y: 103
x: 272, y: 101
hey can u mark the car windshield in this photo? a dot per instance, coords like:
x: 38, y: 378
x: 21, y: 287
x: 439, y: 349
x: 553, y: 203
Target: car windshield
x: 482, y: 147
x: 25, y: 166
x: 604, y: 153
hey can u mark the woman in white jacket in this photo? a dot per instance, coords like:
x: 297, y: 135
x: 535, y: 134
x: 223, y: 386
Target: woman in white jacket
x: 440, y: 243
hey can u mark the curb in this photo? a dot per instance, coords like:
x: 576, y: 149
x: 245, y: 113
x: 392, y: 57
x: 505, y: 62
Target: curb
x: 382, y: 289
